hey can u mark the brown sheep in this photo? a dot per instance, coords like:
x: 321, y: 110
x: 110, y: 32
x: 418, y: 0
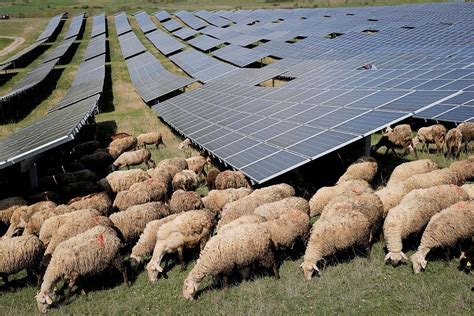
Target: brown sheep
x: 119, y: 135
x: 197, y: 164
x: 100, y: 159
x: 453, y: 143
x: 178, y: 162
x: 149, y: 190
x: 185, y: 144
x: 133, y: 158
x: 98, y: 201
x: 152, y: 138
x: 467, y: 131
x: 231, y: 179
x: 182, y: 201
x: 121, y: 145
x: 185, y: 180
x: 80, y: 188
x: 122, y: 180
x: 59, y: 180
x: 429, y: 135
x: 211, y: 178
x: 85, y: 148
x: 399, y: 136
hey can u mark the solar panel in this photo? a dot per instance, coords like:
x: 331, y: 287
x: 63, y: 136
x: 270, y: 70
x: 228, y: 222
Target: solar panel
x: 162, y: 16
x: 185, y: 33
x: 212, y: 18
x: 190, y: 20
x: 130, y: 45
x: 21, y: 58
x: 60, y: 50
x: 122, y: 25
x: 96, y: 47
x: 99, y: 25
x: 171, y: 25
x: 205, y: 42
x: 144, y: 22
x: 239, y: 56
x: 51, y: 28
x: 165, y: 43
x: 76, y: 25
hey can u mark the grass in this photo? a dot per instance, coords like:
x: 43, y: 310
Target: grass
x: 5, y: 42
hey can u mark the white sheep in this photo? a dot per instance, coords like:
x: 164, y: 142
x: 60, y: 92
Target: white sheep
x: 150, y: 190
x: 152, y: 138
x: 363, y: 169
x: 274, y: 210
x: 216, y: 199
x: 182, y: 201
x: 185, y: 180
x: 467, y: 131
x: 121, y: 145
x: 408, y: 169
x: 434, y: 134
x: 134, y: 158
x: 122, y: 180
x: 445, y: 229
x: 231, y: 179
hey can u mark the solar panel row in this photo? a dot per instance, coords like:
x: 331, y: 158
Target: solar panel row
x: 98, y: 25
x: 121, y: 23
x: 190, y: 19
x: 76, y: 25
x: 144, y: 22
x: 162, y: 16
x: 165, y: 43
x: 239, y: 56
x: 212, y: 18
x: 52, y: 27
x: 130, y: 45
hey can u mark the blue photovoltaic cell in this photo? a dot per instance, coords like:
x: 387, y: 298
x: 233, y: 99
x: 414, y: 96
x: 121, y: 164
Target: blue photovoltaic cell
x: 368, y: 122
x: 416, y: 100
x: 435, y: 110
x: 460, y: 114
x: 251, y: 155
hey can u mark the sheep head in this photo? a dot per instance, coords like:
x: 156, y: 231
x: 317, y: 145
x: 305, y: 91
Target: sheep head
x: 190, y: 288
x: 153, y: 269
x: 387, y: 130
x: 418, y: 262
x: 184, y: 144
x: 308, y: 269
x: 395, y: 258
x: 44, y: 301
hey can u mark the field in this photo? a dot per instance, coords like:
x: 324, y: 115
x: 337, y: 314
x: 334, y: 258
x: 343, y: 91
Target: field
x: 357, y: 286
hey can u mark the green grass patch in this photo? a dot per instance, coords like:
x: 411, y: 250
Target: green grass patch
x: 5, y: 42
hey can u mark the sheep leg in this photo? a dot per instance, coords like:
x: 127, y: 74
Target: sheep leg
x: 181, y: 258
x: 225, y: 281
x: 203, y: 242
x: 119, y: 265
x: 72, y: 282
x: 5, y: 279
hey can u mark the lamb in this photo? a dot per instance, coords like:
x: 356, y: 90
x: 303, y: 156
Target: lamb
x: 288, y: 227
x: 132, y: 222
x: 445, y: 229
x: 152, y: 138
x: 121, y: 145
x: 85, y: 148
x: 328, y: 236
x: 197, y: 164
x: 37, y: 219
x: 52, y: 224
x: 274, y: 210
x: 59, y: 180
x: 146, y: 243
x: 18, y: 253
x: 149, y: 190
x: 326, y: 194
x: 399, y: 136
x: 98, y: 201
x: 185, y: 180
x: 467, y: 131
x: 431, y: 134
x: 362, y: 169
x: 413, y: 213
x: 408, y: 169
x: 86, y: 254
x: 98, y: 160
x: 231, y: 179
x: 216, y: 199
x: 245, y: 219
x: 133, y: 158
x: 186, y: 230
x: 122, y: 180
x: 249, y: 203
x: 182, y: 201
x: 178, y: 162
x: 238, y: 247
x: 24, y: 213
x: 453, y: 143
x: 211, y: 178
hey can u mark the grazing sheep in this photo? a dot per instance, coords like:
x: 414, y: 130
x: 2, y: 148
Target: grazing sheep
x: 85, y: 148
x: 362, y: 169
x: 274, y: 210
x: 231, y: 179
x: 186, y: 230
x: 52, y: 224
x: 242, y: 220
x: 132, y: 222
x: 98, y: 201
x: 178, y: 162
x: 399, y: 136
x: 434, y: 134
x: 453, y: 143
x: 122, y: 180
x: 182, y: 201
x: 61, y: 179
x: 152, y: 138
x: 86, y: 254
x: 98, y: 160
x: 445, y: 229
x: 248, y: 204
x: 133, y: 158
x: 185, y: 180
x: 18, y: 253
x: 408, y: 169
x: 24, y: 213
x: 216, y: 199
x: 121, y: 145
x: 37, y: 219
x: 326, y: 194
x: 119, y: 135
x: 163, y: 174
x: 467, y: 131
x: 12, y: 201
x: 236, y: 248
x: 288, y: 227
x: 149, y: 190
x: 80, y: 188
x: 413, y: 213
x: 185, y: 144
x: 339, y: 232
x: 146, y: 243
x: 197, y: 164
x: 211, y: 178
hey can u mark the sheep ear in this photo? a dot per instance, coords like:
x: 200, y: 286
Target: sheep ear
x: 158, y: 268
x: 301, y: 265
x: 22, y: 223
x: 315, y: 268
x: 48, y: 299
x: 404, y: 256
x: 423, y: 264
x: 387, y: 256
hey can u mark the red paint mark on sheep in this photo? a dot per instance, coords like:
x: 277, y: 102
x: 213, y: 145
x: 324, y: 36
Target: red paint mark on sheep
x: 101, y: 240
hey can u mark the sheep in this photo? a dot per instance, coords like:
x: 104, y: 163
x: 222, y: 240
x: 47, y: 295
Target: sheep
x: 248, y: 204
x: 98, y: 201
x: 45, y: 196
x: 469, y: 188
x: 122, y: 180
x: 362, y: 169
x: 85, y: 148
x: 18, y: 253
x: 445, y: 229
x: 274, y: 210
x: 12, y: 201
x: 245, y: 219
x: 24, y: 213
x: 88, y: 253
x: 197, y: 164
x: 231, y: 179
x: 121, y: 145
x: 288, y: 227
x: 186, y: 230
x: 453, y: 143
x: 152, y: 138
x: 98, y: 160
x: 133, y: 158
x: 467, y: 131
x: 325, y: 194
x: 37, y: 219
x: 328, y: 236
x: 182, y: 201
x: 163, y: 174
x: 431, y: 134
x: 211, y: 178
x: 119, y: 135
x: 149, y: 190
x: 399, y: 136
x: 146, y: 243
x: 61, y: 179
x: 80, y: 188
x: 52, y: 224
x: 238, y: 247
x: 413, y: 213
x: 185, y: 180
x: 185, y: 144
x: 408, y: 169
x: 216, y: 199
x: 71, y: 227
x: 178, y: 162
x: 132, y: 222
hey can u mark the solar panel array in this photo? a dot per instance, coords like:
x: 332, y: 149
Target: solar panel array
x: 190, y: 20
x: 144, y: 22
x: 76, y: 24
x: 121, y: 23
x: 52, y: 27
x: 353, y: 71
x: 165, y: 43
x: 212, y: 18
x: 98, y: 25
